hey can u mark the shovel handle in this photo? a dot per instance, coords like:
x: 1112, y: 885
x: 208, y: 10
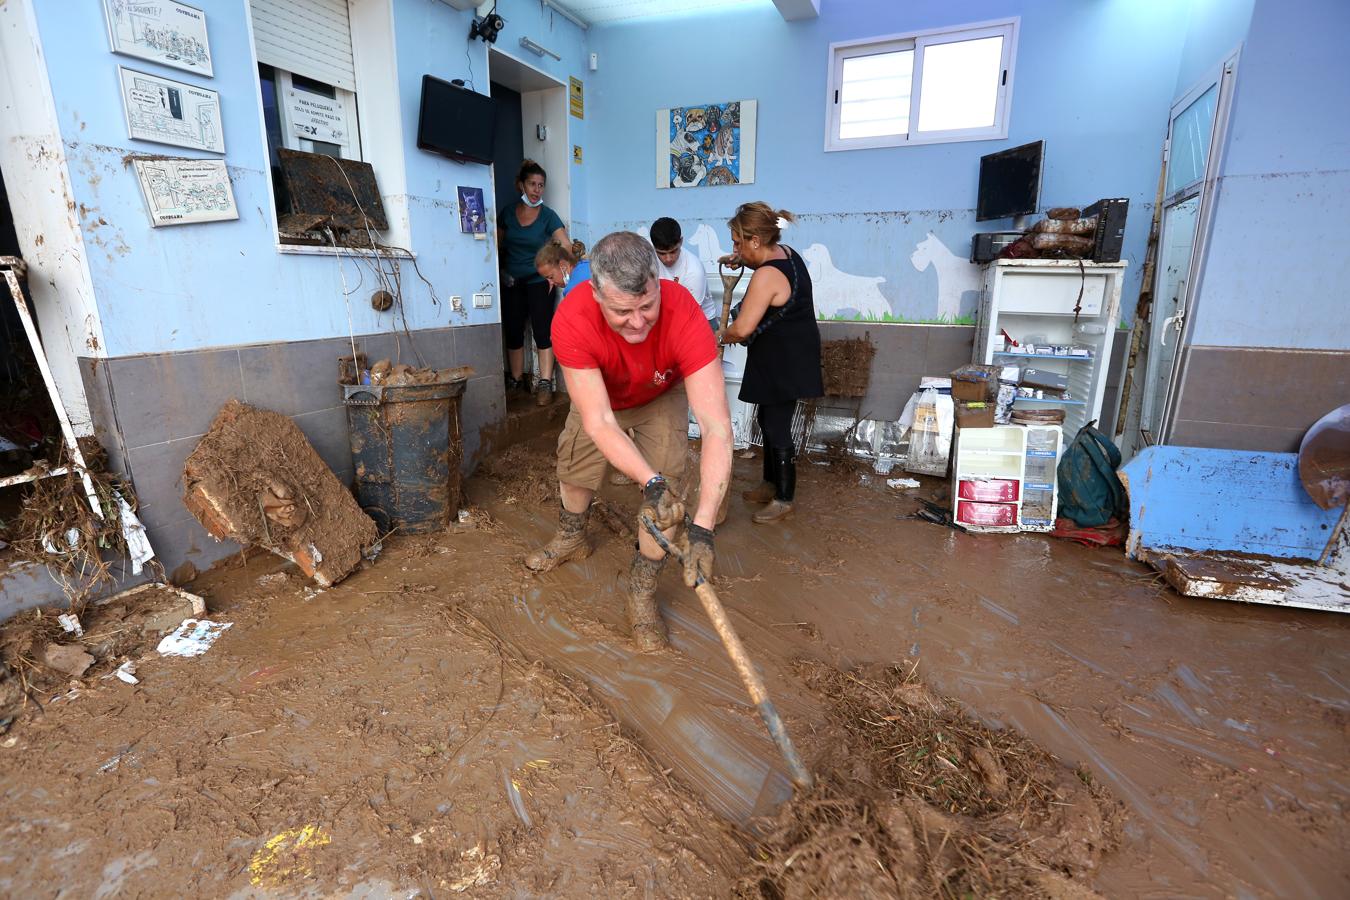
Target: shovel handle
x: 754, y: 685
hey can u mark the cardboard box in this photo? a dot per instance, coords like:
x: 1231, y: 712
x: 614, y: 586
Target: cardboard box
x: 975, y: 382
x: 975, y: 415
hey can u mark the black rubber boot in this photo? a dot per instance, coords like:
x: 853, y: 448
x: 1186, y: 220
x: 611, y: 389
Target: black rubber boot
x: 785, y: 488
x: 767, y: 488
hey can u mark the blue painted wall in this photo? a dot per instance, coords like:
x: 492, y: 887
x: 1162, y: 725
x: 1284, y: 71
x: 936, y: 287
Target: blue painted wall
x: 1214, y: 29
x: 1094, y: 80
x: 195, y: 286
x: 1275, y: 273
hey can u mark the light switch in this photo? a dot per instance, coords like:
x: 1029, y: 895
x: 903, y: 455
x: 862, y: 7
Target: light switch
x: 482, y: 301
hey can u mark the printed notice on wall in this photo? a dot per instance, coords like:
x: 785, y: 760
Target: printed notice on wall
x: 576, y: 97
x: 316, y: 117
x: 183, y: 191
x: 171, y: 112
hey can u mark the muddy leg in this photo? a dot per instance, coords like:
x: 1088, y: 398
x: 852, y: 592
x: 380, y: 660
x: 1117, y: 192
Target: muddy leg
x: 649, y: 631
x: 569, y: 543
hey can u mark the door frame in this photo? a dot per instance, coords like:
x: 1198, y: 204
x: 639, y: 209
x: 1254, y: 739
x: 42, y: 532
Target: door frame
x: 543, y: 101
x: 1225, y: 77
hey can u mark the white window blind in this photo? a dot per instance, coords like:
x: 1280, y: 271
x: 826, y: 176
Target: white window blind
x: 312, y: 38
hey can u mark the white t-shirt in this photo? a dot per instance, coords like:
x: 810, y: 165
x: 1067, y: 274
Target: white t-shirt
x: 688, y: 272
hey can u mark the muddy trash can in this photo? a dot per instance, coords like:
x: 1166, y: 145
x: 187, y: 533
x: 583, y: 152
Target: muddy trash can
x: 406, y: 451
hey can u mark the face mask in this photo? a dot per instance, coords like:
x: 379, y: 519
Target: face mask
x: 526, y: 200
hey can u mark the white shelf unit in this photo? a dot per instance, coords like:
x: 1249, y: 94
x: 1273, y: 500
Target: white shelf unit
x: 1003, y: 478
x: 1028, y: 297
x: 987, y: 478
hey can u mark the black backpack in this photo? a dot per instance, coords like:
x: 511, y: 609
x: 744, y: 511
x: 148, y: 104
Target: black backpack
x: 1090, y: 493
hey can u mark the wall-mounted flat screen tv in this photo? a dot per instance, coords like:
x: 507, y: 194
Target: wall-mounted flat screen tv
x: 1010, y: 182
x: 456, y: 121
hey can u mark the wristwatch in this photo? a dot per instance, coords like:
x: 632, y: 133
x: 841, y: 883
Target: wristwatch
x: 650, y: 481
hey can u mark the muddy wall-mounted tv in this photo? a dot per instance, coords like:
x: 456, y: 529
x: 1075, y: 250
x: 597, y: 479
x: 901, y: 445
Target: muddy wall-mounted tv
x: 456, y: 122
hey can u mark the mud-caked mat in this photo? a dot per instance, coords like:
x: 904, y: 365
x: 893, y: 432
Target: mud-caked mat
x: 255, y: 479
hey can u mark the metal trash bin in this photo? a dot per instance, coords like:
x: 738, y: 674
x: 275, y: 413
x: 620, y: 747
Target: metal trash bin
x: 406, y: 452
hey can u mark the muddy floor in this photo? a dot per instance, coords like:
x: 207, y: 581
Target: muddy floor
x: 441, y: 722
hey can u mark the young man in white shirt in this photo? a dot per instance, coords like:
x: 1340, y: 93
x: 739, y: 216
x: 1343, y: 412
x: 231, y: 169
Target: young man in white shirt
x: 683, y: 268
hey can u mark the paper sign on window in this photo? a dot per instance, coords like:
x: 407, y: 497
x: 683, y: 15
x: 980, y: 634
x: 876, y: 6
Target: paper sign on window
x: 315, y: 117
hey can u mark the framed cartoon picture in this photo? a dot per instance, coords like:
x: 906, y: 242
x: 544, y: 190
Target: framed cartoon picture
x: 169, y: 33
x: 171, y: 112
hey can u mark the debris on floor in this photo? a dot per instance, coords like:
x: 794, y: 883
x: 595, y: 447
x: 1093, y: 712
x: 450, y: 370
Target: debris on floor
x: 915, y: 799
x: 43, y: 649
x: 255, y: 479
x: 192, y: 638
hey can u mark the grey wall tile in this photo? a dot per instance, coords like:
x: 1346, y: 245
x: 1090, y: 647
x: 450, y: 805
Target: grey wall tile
x: 188, y: 541
x: 1283, y: 389
x: 482, y: 411
x: 293, y: 378
x: 326, y: 431
x: 949, y: 347
x: 1230, y: 436
x: 172, y: 395
x: 94, y: 374
x: 480, y: 346
x: 156, y: 474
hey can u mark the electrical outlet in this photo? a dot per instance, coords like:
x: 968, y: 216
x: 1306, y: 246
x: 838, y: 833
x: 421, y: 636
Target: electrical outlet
x: 457, y: 303
x: 482, y: 301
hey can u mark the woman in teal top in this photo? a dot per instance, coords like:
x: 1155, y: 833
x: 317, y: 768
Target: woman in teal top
x: 522, y: 228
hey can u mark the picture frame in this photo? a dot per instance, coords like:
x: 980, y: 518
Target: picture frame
x: 164, y: 111
x: 185, y: 191
x: 166, y: 32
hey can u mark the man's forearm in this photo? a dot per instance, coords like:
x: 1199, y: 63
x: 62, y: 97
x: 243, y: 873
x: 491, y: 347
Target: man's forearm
x: 714, y: 471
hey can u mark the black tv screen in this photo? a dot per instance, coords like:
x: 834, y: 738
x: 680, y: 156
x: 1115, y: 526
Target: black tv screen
x: 1010, y: 182
x: 456, y: 121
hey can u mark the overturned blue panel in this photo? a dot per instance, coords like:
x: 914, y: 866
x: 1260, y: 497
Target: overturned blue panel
x: 1197, y: 498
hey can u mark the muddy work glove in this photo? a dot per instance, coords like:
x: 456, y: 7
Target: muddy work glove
x: 659, y: 505
x: 698, y: 554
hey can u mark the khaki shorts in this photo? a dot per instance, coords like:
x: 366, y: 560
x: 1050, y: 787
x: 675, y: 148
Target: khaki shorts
x: 660, y: 429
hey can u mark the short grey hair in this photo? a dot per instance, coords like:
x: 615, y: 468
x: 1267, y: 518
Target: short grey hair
x: 623, y: 261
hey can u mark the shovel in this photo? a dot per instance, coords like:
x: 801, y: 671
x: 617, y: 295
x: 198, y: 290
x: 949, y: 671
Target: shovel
x: 729, y: 283
x: 736, y: 650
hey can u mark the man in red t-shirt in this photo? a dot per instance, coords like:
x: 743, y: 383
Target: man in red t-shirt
x: 637, y: 354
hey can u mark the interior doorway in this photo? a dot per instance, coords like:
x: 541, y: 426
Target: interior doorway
x: 532, y: 110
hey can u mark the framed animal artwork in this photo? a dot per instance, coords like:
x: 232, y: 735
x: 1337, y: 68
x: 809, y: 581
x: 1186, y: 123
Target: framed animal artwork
x: 708, y: 145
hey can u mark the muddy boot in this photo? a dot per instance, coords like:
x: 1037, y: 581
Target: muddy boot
x: 568, y: 544
x: 780, y: 507
x: 543, y: 391
x: 767, y: 488
x: 649, y: 632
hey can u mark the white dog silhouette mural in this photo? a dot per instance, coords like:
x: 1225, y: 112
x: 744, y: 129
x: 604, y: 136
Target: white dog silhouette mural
x: 956, y: 276
x: 836, y: 292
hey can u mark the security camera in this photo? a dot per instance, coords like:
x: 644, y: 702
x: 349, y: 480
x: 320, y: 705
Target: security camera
x: 487, y: 28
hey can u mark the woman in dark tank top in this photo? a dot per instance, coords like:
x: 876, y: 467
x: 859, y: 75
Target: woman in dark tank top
x: 777, y: 323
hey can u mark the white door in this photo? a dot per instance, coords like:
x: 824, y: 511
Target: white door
x: 1194, y: 142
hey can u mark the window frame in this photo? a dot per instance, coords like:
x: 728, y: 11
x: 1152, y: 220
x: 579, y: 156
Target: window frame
x: 344, y: 98
x: 379, y: 127
x: 919, y: 41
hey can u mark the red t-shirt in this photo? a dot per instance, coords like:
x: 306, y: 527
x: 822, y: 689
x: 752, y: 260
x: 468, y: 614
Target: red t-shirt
x: 679, y: 343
